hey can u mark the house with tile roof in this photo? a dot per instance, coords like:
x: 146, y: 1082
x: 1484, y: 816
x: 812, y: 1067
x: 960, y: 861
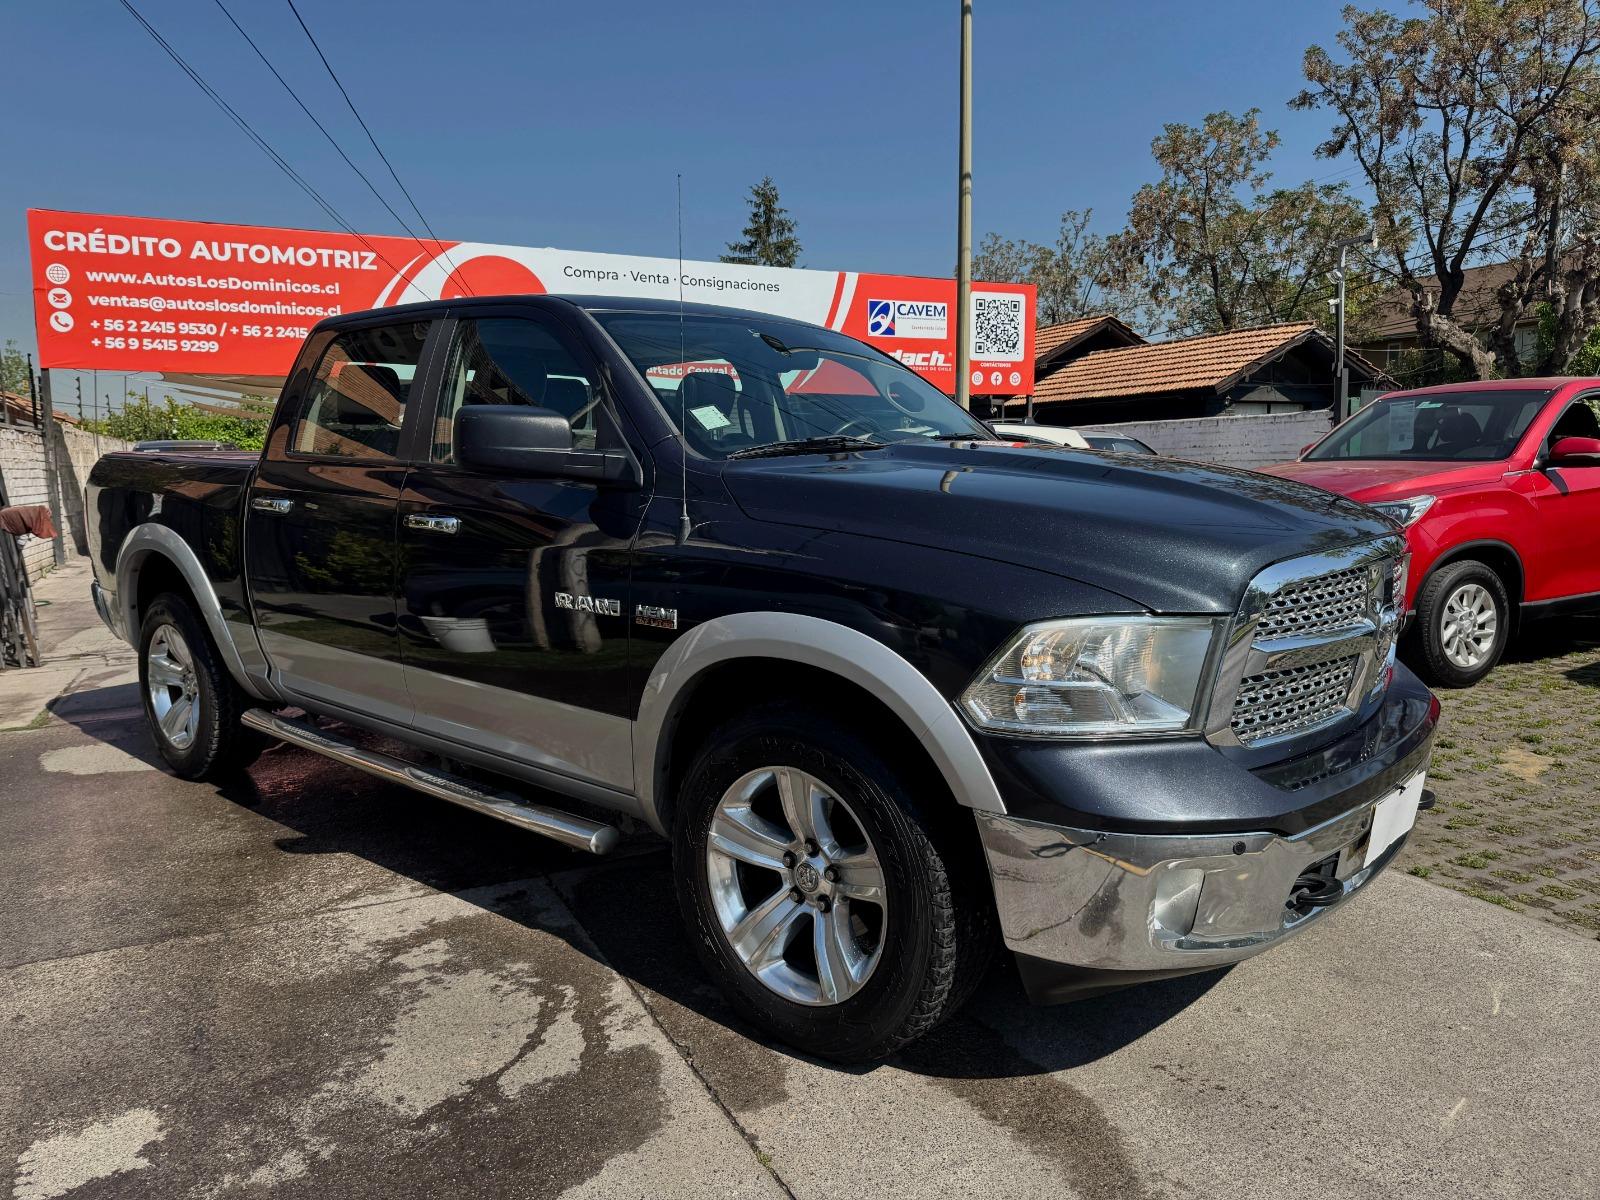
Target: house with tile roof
x: 1391, y: 328
x: 1097, y: 370
x: 16, y: 409
x: 1055, y: 344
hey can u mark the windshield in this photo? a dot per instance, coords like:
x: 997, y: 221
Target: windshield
x: 732, y: 384
x: 1445, y: 427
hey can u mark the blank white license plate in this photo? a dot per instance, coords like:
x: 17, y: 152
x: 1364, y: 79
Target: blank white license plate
x: 1393, y: 816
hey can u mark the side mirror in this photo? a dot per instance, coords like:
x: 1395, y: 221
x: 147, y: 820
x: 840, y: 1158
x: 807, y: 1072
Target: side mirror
x: 1574, y: 452
x: 511, y: 439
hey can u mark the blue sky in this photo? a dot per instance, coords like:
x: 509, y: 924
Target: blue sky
x: 565, y: 124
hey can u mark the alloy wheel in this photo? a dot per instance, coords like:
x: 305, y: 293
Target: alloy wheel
x: 173, y: 688
x: 1468, y: 626
x: 797, y: 885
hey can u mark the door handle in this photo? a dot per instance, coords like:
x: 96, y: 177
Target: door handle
x: 431, y: 523
x: 271, y: 504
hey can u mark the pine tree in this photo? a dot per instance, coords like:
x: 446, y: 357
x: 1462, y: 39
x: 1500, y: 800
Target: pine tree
x: 769, y: 235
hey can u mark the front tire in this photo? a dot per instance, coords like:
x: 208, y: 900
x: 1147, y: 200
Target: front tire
x: 191, y: 702
x: 831, y: 907
x: 1463, y: 623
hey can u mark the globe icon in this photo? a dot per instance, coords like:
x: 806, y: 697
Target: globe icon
x: 57, y: 273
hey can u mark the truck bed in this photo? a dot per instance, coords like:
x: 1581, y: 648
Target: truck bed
x: 199, y: 495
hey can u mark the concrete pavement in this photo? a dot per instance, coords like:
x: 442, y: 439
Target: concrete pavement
x: 308, y: 983
x: 80, y: 654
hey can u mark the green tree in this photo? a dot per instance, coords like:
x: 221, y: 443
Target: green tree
x: 769, y: 235
x: 1476, y: 125
x: 141, y: 421
x: 14, y: 370
x: 1073, y: 277
x: 1212, y: 247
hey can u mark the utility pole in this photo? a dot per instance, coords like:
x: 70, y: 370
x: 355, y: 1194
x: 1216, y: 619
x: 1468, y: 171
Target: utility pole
x: 1342, y: 408
x: 964, y: 219
x: 33, y: 392
x: 47, y: 431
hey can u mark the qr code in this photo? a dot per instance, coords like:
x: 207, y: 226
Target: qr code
x: 997, y: 327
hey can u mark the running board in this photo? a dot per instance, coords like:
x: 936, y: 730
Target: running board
x: 577, y: 832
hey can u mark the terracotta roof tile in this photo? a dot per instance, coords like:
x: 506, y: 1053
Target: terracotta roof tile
x: 1049, y: 338
x: 1199, y: 362
x: 20, y: 410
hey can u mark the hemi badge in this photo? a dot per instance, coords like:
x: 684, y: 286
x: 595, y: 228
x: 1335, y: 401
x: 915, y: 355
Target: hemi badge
x: 655, y: 616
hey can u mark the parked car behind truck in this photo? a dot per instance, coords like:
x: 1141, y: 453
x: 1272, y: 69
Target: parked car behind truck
x: 898, y: 693
x: 1497, y: 486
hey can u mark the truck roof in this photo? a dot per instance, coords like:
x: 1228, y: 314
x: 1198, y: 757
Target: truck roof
x: 586, y: 302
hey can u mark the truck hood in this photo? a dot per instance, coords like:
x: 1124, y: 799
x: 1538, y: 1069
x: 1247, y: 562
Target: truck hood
x: 1371, y: 480
x: 1170, y: 536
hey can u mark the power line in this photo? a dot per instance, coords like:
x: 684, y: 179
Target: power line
x: 393, y: 174
x: 249, y: 131
x: 331, y: 141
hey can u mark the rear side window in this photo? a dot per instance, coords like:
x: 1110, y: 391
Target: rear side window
x: 357, y: 400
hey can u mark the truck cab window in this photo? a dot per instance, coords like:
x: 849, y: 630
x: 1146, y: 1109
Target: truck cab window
x: 512, y: 360
x: 357, y: 401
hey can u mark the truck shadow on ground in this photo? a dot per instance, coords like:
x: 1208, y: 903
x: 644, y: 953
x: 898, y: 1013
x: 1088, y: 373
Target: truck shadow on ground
x: 626, y: 911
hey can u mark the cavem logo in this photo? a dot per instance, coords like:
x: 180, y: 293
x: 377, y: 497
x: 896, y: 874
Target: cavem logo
x: 906, y: 319
x: 880, y: 318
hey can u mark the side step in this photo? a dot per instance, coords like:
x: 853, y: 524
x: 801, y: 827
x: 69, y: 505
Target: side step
x: 577, y: 832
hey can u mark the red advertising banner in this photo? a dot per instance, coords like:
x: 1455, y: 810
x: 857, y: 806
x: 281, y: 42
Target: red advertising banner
x: 190, y: 297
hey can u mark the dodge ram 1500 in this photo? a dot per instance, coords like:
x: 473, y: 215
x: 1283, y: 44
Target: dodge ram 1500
x: 898, y: 692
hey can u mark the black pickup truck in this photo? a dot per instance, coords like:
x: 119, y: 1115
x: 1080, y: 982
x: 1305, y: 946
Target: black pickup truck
x: 898, y: 691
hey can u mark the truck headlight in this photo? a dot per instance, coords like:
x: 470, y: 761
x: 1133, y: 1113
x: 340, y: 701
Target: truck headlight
x: 1096, y: 675
x: 1405, y: 512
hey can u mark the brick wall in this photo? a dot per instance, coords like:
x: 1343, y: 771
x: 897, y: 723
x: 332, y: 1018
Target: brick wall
x: 22, y: 464
x: 1249, y: 442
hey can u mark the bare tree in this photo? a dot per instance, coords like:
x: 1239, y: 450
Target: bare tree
x: 1073, y: 276
x: 1477, y: 127
x: 1208, y: 244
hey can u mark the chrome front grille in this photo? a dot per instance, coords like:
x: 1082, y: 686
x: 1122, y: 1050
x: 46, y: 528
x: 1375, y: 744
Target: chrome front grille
x: 1312, y: 643
x: 1275, y: 703
x: 1313, y: 606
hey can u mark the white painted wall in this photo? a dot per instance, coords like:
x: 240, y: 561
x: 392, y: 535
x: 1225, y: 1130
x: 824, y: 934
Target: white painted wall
x: 1244, y: 441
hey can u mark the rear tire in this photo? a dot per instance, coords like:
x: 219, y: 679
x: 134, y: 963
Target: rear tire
x: 1463, y: 623
x: 897, y: 965
x: 191, y: 702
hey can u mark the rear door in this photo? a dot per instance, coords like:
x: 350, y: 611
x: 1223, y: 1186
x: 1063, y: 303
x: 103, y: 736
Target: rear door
x: 513, y: 594
x: 320, y: 519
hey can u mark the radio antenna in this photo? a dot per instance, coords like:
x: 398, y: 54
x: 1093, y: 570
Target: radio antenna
x: 683, y: 385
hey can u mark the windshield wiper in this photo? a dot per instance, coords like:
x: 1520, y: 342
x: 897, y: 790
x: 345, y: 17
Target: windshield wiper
x: 812, y: 445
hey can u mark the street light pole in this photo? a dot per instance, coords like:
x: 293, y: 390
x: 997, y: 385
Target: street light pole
x: 1369, y: 238
x: 1344, y: 374
x: 964, y: 219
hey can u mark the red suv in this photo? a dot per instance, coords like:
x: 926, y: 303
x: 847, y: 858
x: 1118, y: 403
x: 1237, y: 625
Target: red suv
x: 1497, y: 486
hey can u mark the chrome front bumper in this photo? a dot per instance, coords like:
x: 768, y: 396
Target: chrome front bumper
x: 1149, y: 903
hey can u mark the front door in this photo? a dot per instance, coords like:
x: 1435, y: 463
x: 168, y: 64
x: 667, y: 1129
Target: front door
x: 514, y: 591
x: 320, y: 522
x: 1566, y: 555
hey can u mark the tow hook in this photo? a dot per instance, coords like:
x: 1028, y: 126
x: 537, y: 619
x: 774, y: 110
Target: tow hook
x: 1314, y: 889
x: 1428, y: 800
